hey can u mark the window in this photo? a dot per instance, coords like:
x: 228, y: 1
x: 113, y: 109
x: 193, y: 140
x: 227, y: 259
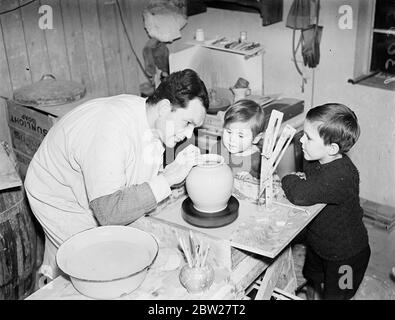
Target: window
x: 383, y: 37
x: 375, y: 49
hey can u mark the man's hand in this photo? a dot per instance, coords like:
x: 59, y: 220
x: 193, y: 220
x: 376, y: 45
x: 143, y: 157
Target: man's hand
x: 190, y: 154
x: 178, y: 170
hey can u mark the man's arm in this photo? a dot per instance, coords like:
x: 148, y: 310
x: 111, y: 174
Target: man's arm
x: 127, y: 205
x: 124, y: 206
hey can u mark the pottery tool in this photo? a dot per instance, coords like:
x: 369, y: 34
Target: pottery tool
x: 272, y: 152
x: 271, y: 132
x: 195, y: 251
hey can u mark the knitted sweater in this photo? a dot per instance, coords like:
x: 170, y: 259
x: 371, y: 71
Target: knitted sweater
x: 337, y: 232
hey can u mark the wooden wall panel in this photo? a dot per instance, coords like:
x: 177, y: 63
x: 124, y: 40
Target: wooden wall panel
x: 75, y: 42
x: 56, y: 45
x: 35, y: 41
x: 140, y: 37
x: 111, y: 46
x: 15, y: 45
x: 128, y: 60
x: 87, y: 44
x: 5, y: 83
x: 93, y: 47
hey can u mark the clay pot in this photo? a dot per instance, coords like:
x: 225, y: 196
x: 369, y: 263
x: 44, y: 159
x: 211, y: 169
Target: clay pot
x: 240, y: 93
x: 210, y: 183
x: 197, y: 279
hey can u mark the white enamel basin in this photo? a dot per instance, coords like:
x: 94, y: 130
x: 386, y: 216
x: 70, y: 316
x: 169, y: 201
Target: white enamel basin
x: 109, y: 261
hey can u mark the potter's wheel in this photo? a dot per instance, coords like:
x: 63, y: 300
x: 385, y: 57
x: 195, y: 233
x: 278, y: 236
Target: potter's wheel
x: 210, y: 220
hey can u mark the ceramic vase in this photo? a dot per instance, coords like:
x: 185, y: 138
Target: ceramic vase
x: 210, y: 183
x: 240, y: 93
x: 197, y: 279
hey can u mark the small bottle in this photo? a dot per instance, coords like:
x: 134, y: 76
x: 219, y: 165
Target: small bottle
x: 243, y: 36
x: 199, y: 36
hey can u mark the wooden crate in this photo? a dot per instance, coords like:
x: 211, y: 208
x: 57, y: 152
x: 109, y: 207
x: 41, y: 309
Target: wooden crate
x: 23, y: 163
x: 280, y: 276
x: 24, y: 142
x: 377, y: 214
x: 29, y: 125
x: 29, y: 120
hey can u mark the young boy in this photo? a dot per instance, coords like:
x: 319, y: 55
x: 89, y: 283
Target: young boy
x: 244, y: 123
x: 338, y: 250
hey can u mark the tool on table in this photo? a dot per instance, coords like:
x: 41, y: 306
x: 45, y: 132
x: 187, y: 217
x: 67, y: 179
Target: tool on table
x: 194, y: 250
x: 231, y: 45
x: 218, y: 41
x: 389, y: 80
x: 272, y: 152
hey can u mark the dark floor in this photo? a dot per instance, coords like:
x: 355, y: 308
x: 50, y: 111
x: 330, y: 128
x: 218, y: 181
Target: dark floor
x: 377, y: 283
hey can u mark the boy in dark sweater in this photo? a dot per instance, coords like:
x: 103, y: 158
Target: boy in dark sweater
x: 338, y: 249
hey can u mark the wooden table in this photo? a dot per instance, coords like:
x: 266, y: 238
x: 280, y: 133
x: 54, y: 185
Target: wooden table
x: 256, y: 241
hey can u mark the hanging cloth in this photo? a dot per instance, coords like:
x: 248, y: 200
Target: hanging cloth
x: 299, y: 15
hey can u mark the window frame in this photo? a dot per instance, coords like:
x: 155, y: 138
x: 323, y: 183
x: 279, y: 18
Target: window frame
x: 363, y: 50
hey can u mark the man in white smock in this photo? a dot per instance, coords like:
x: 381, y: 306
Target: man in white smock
x: 102, y: 163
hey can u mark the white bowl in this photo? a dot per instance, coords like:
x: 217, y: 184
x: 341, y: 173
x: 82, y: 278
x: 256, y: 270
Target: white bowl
x: 107, y: 262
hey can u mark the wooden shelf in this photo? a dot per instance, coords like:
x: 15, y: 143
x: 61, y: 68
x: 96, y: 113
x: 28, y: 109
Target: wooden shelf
x: 220, y: 45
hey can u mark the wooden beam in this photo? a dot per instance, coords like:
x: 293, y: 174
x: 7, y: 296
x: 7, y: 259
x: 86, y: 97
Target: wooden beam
x: 93, y: 47
x: 15, y: 45
x: 56, y: 43
x: 128, y: 60
x: 75, y: 42
x: 35, y: 41
x: 111, y: 48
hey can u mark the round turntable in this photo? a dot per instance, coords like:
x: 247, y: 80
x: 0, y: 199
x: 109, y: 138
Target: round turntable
x: 210, y: 219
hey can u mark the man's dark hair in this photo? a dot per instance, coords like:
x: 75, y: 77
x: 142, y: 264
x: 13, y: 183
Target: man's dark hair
x: 339, y: 125
x: 179, y: 88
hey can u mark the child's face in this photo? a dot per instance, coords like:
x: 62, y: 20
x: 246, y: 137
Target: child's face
x: 237, y: 137
x: 313, y: 145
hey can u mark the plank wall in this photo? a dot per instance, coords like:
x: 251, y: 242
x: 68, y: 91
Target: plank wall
x: 87, y: 44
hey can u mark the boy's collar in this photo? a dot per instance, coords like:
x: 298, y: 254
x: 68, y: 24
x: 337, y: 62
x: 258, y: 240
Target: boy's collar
x: 247, y: 152
x: 336, y: 157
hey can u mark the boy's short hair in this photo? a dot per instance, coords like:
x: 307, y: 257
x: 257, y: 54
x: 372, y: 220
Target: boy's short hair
x: 179, y: 88
x: 339, y: 125
x: 246, y: 111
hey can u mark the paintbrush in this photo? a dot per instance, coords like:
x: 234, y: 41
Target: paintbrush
x: 205, y: 255
x: 193, y: 247
x: 186, y: 252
